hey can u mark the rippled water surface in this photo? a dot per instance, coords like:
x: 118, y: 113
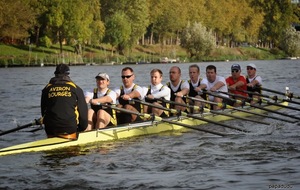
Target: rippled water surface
x: 266, y: 158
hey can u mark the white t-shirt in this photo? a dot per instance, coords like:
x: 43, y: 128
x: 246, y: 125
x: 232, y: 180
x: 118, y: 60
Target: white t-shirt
x: 159, y: 91
x: 184, y: 84
x: 209, y: 85
x: 197, y: 83
x: 258, y: 78
x: 111, y: 94
x: 128, y: 90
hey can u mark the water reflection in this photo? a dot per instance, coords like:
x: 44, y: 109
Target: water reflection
x: 62, y: 157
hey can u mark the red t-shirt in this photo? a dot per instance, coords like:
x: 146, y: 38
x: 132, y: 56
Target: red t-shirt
x: 230, y: 82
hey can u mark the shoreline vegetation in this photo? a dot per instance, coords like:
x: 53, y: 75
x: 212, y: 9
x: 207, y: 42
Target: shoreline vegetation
x: 105, y: 32
x: 30, y: 55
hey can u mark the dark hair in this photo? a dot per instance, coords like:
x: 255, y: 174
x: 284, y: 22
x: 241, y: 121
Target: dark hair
x: 127, y: 68
x: 62, y: 69
x: 210, y: 67
x: 156, y: 70
x: 196, y: 66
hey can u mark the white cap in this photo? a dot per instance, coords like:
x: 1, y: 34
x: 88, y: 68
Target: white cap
x: 103, y: 75
x: 251, y: 65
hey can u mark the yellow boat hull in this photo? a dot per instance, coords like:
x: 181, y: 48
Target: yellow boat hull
x: 109, y: 134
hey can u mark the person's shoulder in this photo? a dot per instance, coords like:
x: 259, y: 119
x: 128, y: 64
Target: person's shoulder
x: 165, y: 87
x: 184, y: 81
x: 227, y: 78
x: 204, y: 79
x: 75, y: 86
x: 137, y: 87
x: 242, y: 77
x: 111, y: 91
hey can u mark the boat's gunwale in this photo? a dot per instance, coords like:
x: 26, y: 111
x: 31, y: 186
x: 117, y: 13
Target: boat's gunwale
x: 115, y: 130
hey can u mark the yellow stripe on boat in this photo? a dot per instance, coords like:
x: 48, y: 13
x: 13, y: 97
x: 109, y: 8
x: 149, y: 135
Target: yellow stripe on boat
x: 137, y: 129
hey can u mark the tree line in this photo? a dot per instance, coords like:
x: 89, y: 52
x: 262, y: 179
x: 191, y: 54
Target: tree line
x: 197, y: 25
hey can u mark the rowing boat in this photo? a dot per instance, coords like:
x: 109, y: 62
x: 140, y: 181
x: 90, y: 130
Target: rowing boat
x: 129, y: 130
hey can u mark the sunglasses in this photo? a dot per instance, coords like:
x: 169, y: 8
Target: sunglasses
x: 126, y: 76
x: 250, y: 68
x: 234, y: 71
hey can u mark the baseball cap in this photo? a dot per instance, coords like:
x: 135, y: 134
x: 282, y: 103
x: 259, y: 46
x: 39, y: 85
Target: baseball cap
x: 236, y: 66
x: 103, y: 75
x: 252, y: 65
x: 62, y: 69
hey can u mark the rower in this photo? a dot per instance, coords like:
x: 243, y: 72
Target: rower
x: 179, y: 88
x: 214, y: 83
x: 254, y: 82
x: 127, y: 91
x: 236, y: 83
x: 156, y: 90
x: 194, y: 82
x: 100, y: 116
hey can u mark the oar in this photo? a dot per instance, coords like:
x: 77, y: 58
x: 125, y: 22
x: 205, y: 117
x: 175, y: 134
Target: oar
x: 35, y: 122
x: 238, y: 109
x: 290, y: 95
x: 190, y: 115
x: 262, y: 100
x: 275, y: 98
x: 277, y: 104
x: 258, y: 107
x: 214, y: 112
x: 156, y: 118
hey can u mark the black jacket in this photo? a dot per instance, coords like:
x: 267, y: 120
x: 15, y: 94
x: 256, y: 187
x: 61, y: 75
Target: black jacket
x: 63, y: 107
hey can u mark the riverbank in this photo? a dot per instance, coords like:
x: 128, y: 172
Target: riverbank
x: 29, y: 55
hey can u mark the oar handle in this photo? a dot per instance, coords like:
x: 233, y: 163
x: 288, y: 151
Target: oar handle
x: 179, y: 104
x: 174, y: 111
x: 201, y: 100
x: 181, y: 113
x: 226, y: 105
x: 218, y: 113
x: 127, y: 111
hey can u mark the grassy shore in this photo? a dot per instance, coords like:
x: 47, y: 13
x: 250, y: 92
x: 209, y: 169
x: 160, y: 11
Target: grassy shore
x: 29, y: 55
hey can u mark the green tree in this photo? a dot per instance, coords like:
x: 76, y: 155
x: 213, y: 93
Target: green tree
x: 72, y: 21
x: 136, y: 16
x: 290, y: 43
x: 14, y: 26
x: 197, y: 40
x: 97, y: 26
x: 170, y: 21
x: 296, y: 18
x: 118, y: 31
x: 278, y: 16
x: 39, y: 23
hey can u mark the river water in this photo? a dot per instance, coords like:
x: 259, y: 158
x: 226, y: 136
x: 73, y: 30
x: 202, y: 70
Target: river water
x: 266, y: 158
